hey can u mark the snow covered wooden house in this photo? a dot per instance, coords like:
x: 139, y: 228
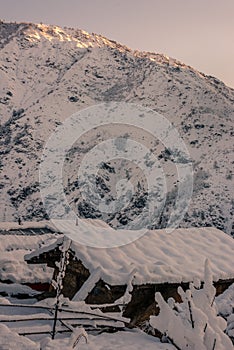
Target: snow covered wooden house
x: 158, y: 261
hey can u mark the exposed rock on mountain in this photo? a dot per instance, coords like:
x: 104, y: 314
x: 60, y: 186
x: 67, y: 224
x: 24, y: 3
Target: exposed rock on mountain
x: 47, y: 73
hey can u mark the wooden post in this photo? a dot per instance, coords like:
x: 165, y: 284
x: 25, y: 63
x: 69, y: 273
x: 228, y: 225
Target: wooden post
x: 214, y: 344
x: 64, y: 259
x: 191, y: 315
x: 55, y: 318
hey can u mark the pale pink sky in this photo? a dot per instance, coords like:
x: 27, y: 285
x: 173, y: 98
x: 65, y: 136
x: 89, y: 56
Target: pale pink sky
x: 197, y: 32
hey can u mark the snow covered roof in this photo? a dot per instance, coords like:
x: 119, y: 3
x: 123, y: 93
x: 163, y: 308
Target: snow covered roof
x: 33, y: 227
x: 13, y: 267
x: 157, y: 256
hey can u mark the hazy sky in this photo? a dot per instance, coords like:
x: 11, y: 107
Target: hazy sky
x: 197, y: 32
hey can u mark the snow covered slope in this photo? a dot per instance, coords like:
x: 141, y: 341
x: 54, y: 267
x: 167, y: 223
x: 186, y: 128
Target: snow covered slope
x: 47, y: 73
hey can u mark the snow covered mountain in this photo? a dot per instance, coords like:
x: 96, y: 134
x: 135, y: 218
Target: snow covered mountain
x: 47, y: 73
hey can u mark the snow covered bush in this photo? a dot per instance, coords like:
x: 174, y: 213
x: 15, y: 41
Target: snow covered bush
x: 76, y: 337
x: 225, y: 304
x: 193, y: 324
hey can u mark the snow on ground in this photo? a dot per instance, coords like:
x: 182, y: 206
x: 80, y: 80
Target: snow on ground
x: 9, y: 337
x: 10, y: 340
x: 156, y: 257
x: 130, y: 340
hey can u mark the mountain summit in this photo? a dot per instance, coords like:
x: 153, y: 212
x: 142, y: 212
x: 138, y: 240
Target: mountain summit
x: 38, y: 32
x: 48, y: 73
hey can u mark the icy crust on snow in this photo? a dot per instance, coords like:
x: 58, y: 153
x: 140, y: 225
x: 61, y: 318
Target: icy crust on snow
x: 12, y: 251
x: 158, y: 256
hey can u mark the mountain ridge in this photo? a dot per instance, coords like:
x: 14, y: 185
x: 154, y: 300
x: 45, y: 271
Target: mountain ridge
x: 52, y: 32
x: 45, y: 81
